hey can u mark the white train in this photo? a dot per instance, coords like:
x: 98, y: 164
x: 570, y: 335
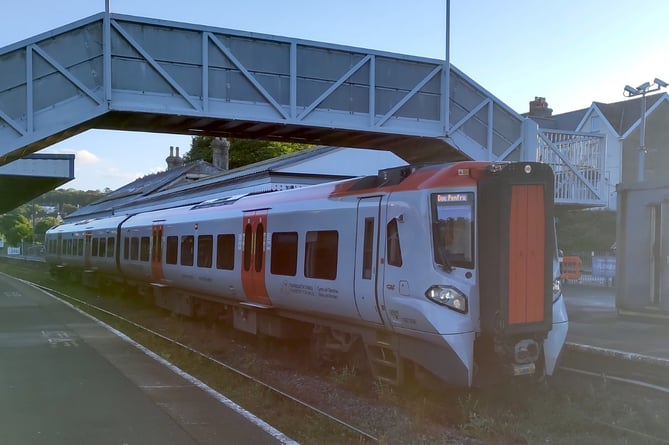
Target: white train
x: 446, y: 270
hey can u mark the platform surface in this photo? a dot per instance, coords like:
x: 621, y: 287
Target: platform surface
x: 66, y: 379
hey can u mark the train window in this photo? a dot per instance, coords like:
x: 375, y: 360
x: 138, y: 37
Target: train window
x: 102, y: 250
x: 80, y: 247
x: 368, y: 249
x: 225, y: 251
x: 453, y: 229
x: 248, y: 238
x: 187, y: 242
x: 144, y: 248
x: 172, y: 249
x: 94, y: 251
x: 126, y: 248
x: 205, y: 244
x: 111, y: 241
x: 284, y: 253
x: 258, y: 248
x: 320, y: 254
x: 394, y: 250
x: 134, y: 248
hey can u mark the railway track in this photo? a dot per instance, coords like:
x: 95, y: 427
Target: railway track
x: 601, y: 369
x: 610, y: 367
x: 358, y: 435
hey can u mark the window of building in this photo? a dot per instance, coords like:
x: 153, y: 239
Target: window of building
x: 594, y: 123
x: 225, y: 251
x: 320, y: 254
x: 284, y: 253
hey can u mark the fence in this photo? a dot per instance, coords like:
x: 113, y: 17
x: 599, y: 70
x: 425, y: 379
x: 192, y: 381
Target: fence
x: 590, y: 268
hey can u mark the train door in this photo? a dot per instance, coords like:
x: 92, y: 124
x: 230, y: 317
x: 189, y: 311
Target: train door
x: 157, y: 252
x: 253, y: 257
x: 366, y: 259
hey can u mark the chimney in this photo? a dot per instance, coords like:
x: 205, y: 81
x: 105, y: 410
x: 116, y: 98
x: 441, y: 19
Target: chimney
x: 173, y: 161
x: 539, y: 108
x: 220, y: 152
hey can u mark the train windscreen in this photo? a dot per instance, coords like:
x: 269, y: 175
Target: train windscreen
x: 453, y: 229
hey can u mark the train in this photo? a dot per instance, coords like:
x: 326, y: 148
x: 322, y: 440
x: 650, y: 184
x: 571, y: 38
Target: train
x: 436, y: 271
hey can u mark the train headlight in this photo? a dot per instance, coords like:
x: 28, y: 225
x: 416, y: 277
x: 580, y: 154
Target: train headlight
x: 448, y: 296
x: 557, y: 288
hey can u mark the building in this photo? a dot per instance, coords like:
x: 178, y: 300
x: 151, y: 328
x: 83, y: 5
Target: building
x: 619, y: 123
x: 192, y: 183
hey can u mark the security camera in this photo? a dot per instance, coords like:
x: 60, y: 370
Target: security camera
x: 661, y: 83
x: 643, y: 86
x: 631, y: 90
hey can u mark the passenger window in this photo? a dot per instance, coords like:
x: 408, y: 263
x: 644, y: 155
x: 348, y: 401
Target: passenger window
x: 320, y: 254
x: 187, y: 253
x: 260, y: 236
x: 204, y: 250
x: 126, y: 248
x: 368, y: 249
x: 225, y: 252
x: 134, y: 248
x: 144, y: 249
x: 172, y: 250
x: 80, y: 247
x: 394, y: 251
x: 103, y: 247
x: 284, y: 253
x: 248, y: 238
x: 111, y: 241
x: 94, y: 250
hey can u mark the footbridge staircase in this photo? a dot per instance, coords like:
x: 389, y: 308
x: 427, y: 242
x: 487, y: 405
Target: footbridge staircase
x: 113, y: 71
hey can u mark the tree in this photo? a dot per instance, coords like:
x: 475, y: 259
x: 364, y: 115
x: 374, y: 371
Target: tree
x: 16, y: 228
x: 43, y: 225
x: 242, y: 151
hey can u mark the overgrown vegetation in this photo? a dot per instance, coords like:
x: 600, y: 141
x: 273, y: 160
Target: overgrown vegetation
x: 242, y: 151
x: 586, y: 230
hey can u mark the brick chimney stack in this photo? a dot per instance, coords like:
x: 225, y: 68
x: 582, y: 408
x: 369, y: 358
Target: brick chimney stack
x: 539, y: 108
x: 220, y: 151
x: 172, y: 160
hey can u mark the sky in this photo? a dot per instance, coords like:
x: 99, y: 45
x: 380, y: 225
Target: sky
x: 570, y: 52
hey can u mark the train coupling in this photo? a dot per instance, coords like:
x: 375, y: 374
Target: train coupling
x: 517, y: 369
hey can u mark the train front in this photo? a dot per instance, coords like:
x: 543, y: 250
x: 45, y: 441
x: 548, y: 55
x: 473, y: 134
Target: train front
x: 523, y: 321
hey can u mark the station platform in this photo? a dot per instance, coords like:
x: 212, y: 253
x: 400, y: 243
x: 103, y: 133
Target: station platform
x: 595, y: 326
x: 67, y: 379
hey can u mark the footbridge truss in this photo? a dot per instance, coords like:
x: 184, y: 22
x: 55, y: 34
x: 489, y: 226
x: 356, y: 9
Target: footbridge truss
x: 121, y: 72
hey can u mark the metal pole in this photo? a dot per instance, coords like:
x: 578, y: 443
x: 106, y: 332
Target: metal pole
x: 447, y: 72
x: 642, y: 140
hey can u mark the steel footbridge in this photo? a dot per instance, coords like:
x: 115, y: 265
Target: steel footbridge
x: 112, y: 71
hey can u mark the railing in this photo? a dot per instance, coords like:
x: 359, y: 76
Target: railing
x: 578, y: 162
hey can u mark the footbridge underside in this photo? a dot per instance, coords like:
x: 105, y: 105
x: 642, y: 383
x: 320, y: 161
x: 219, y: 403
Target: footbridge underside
x: 129, y: 73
